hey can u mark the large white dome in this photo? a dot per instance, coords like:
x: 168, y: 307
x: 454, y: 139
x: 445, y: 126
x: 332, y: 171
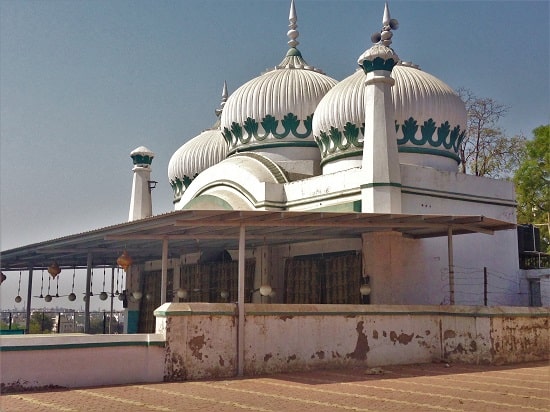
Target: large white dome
x: 273, y: 113
x: 430, y: 120
x: 275, y: 109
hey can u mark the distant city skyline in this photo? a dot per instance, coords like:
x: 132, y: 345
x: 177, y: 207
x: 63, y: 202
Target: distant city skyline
x: 82, y: 84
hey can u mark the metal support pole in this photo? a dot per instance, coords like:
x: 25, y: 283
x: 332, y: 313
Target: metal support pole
x: 88, y: 290
x: 29, y: 299
x: 485, y: 286
x: 112, y: 297
x: 164, y: 271
x: 451, y: 266
x: 240, y: 302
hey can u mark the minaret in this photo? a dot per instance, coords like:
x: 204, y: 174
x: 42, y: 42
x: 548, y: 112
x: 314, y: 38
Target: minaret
x: 381, y: 192
x: 141, y: 205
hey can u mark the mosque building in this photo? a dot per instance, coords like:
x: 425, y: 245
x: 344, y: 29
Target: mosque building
x: 384, y: 140
x: 381, y: 145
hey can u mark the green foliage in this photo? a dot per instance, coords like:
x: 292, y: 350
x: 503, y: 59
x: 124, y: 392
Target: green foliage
x: 41, y: 322
x: 532, y: 180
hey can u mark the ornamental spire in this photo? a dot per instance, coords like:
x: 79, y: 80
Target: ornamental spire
x: 388, y: 24
x: 292, y: 33
x: 225, y: 95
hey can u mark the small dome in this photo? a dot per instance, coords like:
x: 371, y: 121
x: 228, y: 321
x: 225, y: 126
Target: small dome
x: 274, y: 111
x: 198, y: 154
x: 430, y: 120
x: 195, y: 156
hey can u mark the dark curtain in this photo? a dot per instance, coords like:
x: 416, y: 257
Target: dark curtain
x: 333, y: 278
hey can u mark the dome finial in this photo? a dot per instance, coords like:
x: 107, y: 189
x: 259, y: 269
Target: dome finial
x: 388, y: 24
x: 293, y: 33
x: 225, y: 95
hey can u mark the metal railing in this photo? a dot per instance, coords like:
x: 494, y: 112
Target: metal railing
x: 41, y: 321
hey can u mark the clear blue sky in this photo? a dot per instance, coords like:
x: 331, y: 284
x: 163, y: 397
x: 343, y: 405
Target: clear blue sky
x: 83, y: 83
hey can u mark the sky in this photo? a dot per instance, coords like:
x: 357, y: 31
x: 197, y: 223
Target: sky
x: 83, y: 83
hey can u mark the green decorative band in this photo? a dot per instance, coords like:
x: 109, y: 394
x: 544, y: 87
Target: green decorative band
x: 271, y: 145
x: 389, y: 184
x: 84, y: 345
x: 430, y: 134
x: 180, y: 185
x: 242, y: 134
x: 142, y: 159
x: 358, y: 153
x: 336, y: 140
x: 175, y: 313
x: 293, y: 51
x: 443, y: 140
x: 456, y: 196
x: 427, y: 150
x: 378, y: 64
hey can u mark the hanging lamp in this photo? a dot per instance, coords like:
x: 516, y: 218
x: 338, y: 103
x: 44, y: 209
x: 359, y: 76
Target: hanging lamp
x: 124, y: 260
x: 72, y: 295
x: 18, y: 297
x: 54, y: 269
x: 103, y: 295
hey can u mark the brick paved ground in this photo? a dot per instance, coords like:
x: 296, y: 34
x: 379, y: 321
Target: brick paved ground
x: 430, y: 387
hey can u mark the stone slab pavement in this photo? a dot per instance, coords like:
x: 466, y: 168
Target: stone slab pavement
x: 425, y: 387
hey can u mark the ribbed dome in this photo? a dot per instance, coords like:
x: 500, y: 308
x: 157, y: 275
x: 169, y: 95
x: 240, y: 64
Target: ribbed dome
x: 429, y: 115
x: 275, y: 109
x: 198, y: 154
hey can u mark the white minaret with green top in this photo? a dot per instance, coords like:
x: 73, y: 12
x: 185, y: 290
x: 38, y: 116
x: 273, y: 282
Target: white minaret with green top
x: 381, y: 192
x: 141, y: 205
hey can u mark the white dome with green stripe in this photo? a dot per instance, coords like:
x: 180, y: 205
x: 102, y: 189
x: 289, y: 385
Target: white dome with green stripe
x: 430, y: 119
x: 198, y: 154
x: 273, y: 113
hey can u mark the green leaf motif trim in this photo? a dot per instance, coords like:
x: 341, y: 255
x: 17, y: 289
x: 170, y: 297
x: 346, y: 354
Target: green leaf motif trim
x: 179, y: 186
x: 337, y: 141
x: 431, y: 140
x: 250, y: 129
x: 378, y: 64
x: 142, y: 159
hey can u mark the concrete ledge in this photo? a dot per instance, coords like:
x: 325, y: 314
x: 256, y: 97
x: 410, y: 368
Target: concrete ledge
x: 77, y: 340
x: 198, y: 308
x: 391, y: 310
x: 72, y: 360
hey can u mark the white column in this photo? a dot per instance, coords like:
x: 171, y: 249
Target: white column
x: 381, y: 192
x: 240, y: 302
x: 140, y: 204
x: 88, y: 290
x: 451, y: 266
x: 29, y: 301
x: 164, y: 271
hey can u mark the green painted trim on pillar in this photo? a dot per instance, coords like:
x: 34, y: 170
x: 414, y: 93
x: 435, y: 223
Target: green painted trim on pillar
x: 133, y: 321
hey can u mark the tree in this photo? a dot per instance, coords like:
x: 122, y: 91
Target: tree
x: 532, y: 181
x: 485, y: 149
x: 41, y: 322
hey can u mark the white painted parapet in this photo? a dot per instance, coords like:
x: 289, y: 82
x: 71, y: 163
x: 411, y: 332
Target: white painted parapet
x: 201, y: 338
x: 79, y: 360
